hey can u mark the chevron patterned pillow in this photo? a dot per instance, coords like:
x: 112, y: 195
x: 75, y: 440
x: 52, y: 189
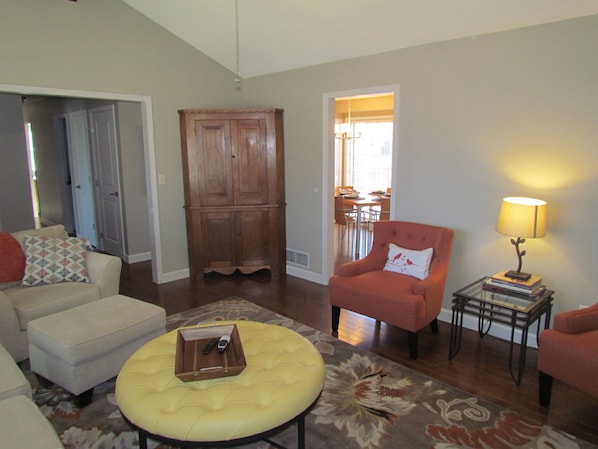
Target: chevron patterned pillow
x: 54, y: 260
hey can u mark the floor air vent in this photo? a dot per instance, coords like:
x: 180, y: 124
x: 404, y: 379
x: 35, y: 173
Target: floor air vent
x: 298, y: 258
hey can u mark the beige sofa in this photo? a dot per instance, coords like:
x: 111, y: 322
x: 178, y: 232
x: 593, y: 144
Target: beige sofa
x: 20, y: 305
x: 22, y: 425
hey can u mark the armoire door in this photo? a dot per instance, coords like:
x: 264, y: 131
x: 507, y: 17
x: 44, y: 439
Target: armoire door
x: 253, y: 241
x: 218, y: 241
x: 235, y: 239
x: 213, y: 156
x: 249, y: 162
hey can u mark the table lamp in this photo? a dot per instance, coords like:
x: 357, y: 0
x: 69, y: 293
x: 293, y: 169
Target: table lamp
x: 522, y: 218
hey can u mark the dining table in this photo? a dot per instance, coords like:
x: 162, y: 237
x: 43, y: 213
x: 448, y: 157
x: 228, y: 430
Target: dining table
x: 359, y: 203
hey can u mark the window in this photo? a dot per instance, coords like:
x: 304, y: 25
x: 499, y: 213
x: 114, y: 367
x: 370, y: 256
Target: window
x: 367, y: 159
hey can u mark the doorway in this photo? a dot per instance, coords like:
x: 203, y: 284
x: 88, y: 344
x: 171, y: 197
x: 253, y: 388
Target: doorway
x: 149, y: 165
x: 329, y: 166
x: 80, y: 171
x: 362, y: 170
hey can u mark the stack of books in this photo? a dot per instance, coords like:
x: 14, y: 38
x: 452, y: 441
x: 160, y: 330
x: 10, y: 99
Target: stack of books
x: 500, y: 283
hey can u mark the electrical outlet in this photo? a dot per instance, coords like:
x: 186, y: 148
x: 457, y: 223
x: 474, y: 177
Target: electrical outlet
x: 161, y: 180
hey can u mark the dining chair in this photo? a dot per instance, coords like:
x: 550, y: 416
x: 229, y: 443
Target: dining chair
x: 345, y: 216
x: 383, y: 212
x: 338, y: 190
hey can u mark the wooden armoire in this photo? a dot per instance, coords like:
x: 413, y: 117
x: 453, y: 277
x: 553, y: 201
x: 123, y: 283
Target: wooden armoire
x: 233, y: 166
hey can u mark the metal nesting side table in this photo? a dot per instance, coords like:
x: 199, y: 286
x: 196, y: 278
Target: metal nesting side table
x: 514, y: 310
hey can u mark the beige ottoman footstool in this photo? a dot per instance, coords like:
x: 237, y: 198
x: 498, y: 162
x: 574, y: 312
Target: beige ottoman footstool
x: 82, y: 347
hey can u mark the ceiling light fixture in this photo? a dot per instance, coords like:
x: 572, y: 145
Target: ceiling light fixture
x: 344, y: 131
x: 237, y: 78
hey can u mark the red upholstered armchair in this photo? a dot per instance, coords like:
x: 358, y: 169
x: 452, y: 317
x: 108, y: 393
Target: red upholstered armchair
x: 406, y: 302
x: 569, y: 353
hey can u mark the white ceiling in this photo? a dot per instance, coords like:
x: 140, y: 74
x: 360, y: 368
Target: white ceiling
x: 279, y: 35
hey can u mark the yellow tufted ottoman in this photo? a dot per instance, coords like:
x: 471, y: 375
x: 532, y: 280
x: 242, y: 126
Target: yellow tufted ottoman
x: 284, y: 376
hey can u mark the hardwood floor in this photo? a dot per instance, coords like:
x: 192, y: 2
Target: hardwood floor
x: 480, y: 367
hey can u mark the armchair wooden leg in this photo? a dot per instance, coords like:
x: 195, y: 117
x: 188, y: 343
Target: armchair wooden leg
x: 412, y: 341
x: 434, y: 326
x: 336, y: 315
x: 544, y: 388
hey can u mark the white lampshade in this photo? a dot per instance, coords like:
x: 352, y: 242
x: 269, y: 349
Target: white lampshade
x: 522, y: 217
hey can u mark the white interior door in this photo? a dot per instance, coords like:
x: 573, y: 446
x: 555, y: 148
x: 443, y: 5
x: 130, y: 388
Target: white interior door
x: 108, y: 191
x: 81, y: 176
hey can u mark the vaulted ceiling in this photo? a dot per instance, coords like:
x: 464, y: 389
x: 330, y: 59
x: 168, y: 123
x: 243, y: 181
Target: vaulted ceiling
x: 280, y: 35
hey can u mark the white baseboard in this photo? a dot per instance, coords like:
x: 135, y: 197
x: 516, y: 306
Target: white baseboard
x: 140, y: 257
x: 497, y: 330
x: 304, y: 274
x: 46, y: 222
x: 173, y: 276
x: 293, y: 271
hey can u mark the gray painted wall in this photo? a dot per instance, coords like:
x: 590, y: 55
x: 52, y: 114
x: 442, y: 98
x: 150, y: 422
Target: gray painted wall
x: 133, y: 183
x: 108, y: 47
x: 510, y: 113
x: 15, y: 188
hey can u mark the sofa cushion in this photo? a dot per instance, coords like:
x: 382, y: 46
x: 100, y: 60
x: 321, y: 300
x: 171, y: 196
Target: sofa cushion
x: 35, y: 302
x: 12, y: 381
x: 53, y: 260
x: 56, y: 231
x: 12, y: 258
x: 409, y: 262
x: 23, y: 425
x: 393, y: 292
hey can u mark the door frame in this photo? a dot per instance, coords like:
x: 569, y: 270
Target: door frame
x: 328, y: 118
x: 149, y: 152
x: 61, y: 140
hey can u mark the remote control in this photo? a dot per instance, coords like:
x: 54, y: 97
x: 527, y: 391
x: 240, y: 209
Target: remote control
x: 223, y: 343
x: 210, y: 345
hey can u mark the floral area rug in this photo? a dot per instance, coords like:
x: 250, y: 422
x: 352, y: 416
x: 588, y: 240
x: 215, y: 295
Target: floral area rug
x: 367, y: 402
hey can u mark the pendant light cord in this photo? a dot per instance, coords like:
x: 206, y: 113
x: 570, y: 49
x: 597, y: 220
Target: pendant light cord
x: 237, y: 79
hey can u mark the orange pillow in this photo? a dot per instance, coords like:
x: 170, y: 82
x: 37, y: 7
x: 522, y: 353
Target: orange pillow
x: 12, y: 258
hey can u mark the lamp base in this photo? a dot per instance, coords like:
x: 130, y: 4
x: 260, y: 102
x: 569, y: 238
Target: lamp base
x: 518, y: 275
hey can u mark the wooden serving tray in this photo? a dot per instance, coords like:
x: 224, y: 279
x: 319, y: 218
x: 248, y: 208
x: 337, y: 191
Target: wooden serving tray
x: 191, y: 364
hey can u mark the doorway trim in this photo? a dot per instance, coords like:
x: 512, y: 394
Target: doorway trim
x: 149, y: 152
x: 328, y: 118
